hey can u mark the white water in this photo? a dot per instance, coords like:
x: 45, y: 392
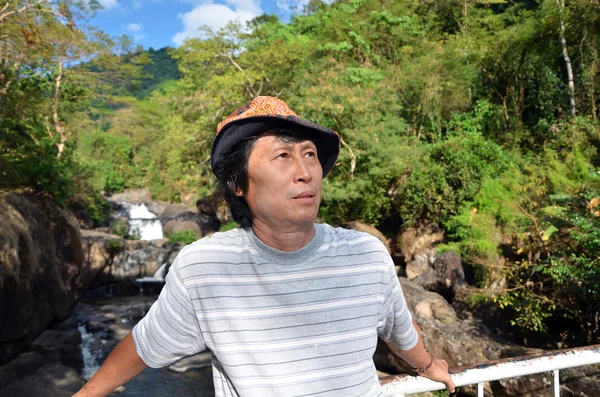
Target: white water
x: 157, y: 277
x: 90, y: 362
x: 143, y: 222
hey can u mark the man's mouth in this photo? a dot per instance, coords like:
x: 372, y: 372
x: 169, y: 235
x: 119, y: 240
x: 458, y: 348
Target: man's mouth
x: 304, y: 195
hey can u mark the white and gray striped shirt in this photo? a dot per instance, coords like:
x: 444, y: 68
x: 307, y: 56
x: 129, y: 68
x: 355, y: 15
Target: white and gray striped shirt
x: 280, y: 323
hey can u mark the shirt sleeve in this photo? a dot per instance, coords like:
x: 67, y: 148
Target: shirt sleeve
x: 395, y: 321
x: 170, y: 329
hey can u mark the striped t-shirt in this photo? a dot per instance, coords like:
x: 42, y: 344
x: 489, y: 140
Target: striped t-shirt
x: 301, y: 323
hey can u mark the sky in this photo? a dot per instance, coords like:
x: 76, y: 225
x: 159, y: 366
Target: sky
x: 161, y: 23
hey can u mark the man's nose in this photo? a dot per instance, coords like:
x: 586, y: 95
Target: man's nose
x: 302, y: 171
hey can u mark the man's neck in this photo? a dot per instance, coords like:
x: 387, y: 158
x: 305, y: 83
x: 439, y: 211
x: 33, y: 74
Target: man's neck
x: 284, y: 240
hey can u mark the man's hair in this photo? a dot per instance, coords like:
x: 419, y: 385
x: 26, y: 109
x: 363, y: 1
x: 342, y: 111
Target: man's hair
x: 233, y: 173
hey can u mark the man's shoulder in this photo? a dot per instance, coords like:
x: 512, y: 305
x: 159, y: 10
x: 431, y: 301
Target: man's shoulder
x: 353, y: 238
x: 218, y: 243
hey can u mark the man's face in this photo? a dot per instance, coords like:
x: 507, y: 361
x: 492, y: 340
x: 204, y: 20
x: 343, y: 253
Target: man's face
x: 284, y: 183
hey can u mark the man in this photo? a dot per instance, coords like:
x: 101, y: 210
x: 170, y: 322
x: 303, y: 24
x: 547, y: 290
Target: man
x: 288, y: 307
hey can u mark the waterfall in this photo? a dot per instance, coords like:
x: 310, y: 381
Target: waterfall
x: 90, y: 361
x: 143, y: 222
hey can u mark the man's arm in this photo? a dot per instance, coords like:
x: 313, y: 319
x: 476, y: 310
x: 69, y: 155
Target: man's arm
x: 418, y: 357
x: 121, y: 365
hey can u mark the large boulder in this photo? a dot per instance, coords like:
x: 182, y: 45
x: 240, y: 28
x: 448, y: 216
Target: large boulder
x: 445, y: 276
x: 40, y: 258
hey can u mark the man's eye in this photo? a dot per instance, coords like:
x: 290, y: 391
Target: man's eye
x: 311, y: 154
x: 283, y: 155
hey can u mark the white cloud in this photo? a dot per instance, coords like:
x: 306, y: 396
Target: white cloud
x: 249, y: 5
x: 139, y: 37
x: 108, y: 4
x: 216, y: 16
x: 135, y: 27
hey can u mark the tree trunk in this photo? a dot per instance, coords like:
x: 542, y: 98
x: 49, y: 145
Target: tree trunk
x: 563, y: 42
x: 58, y: 127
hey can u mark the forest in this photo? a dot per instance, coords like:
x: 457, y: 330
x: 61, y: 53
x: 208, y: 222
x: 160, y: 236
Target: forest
x: 476, y: 118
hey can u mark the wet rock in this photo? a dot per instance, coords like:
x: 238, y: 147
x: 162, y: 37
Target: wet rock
x: 23, y: 365
x: 52, y: 380
x: 59, y: 346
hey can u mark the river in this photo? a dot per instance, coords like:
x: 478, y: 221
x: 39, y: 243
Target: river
x: 103, y: 322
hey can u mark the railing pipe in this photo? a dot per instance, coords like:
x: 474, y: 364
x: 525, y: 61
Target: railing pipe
x: 401, y: 385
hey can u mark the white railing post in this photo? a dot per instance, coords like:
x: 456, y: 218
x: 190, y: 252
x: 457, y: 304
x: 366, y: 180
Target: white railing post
x: 556, y: 384
x: 480, y: 389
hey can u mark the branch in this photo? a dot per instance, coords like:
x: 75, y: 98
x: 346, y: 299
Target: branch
x: 353, y: 158
x: 238, y: 67
x: 57, y: 125
x: 537, y: 229
x: 19, y: 11
x: 5, y: 6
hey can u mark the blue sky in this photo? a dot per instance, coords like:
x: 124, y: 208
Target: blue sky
x: 161, y: 23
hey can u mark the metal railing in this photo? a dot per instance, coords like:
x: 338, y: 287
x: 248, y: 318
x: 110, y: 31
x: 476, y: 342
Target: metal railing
x: 402, y: 385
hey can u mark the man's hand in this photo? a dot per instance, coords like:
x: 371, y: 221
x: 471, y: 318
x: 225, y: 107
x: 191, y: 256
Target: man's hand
x: 439, y: 372
x: 419, y: 357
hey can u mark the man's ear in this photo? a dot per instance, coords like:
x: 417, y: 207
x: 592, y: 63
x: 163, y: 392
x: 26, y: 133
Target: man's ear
x: 238, y: 192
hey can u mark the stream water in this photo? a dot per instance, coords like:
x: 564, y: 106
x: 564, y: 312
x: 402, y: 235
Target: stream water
x: 104, y: 321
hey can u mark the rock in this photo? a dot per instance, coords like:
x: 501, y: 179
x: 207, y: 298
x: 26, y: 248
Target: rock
x: 132, y: 196
x: 52, y: 380
x: 40, y: 258
x: 445, y: 276
x: 59, y: 346
x: 111, y: 259
x: 361, y: 227
x: 23, y: 365
x: 166, y: 210
x: 418, y: 248
x: 176, y: 226
x: 142, y: 261
x: 419, y: 265
x: 201, y: 224
x: 100, y: 251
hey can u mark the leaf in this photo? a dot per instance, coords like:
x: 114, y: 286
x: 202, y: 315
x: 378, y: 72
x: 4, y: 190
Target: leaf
x: 561, y: 197
x: 549, y: 232
x: 553, y: 210
x: 539, y: 268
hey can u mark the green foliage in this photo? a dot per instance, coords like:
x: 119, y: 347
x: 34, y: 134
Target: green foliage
x: 120, y: 227
x: 186, y: 237
x: 448, y: 176
x: 228, y: 226
x: 115, y: 246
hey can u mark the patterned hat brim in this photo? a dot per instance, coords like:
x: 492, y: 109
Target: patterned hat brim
x: 236, y: 131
